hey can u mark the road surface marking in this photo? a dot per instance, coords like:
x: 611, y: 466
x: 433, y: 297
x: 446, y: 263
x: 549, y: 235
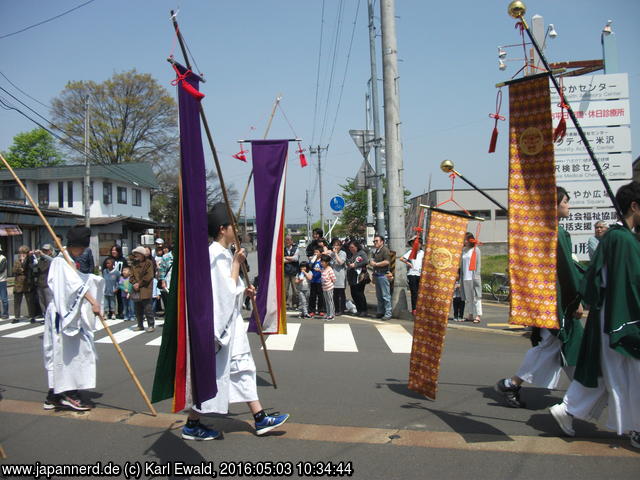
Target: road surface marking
x: 396, y: 337
x: 284, y: 342
x: 111, y: 323
x: 29, y: 332
x: 506, y: 325
x: 338, y: 337
x: 9, y: 326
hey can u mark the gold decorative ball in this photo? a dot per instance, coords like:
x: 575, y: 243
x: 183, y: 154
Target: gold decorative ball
x: 517, y: 9
x: 446, y: 166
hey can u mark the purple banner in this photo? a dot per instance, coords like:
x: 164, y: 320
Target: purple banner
x: 269, y: 168
x: 199, y: 298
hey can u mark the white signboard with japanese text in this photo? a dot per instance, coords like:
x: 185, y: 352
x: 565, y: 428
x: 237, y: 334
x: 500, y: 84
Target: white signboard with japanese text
x: 583, y: 220
x: 581, y: 224
x: 602, y: 140
x: 579, y: 244
x: 592, y: 87
x: 594, y: 114
x: 580, y: 167
x: 591, y: 193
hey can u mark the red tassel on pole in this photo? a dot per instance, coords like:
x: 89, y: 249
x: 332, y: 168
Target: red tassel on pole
x: 303, y: 159
x: 241, y: 154
x: 496, y: 116
x: 561, y: 129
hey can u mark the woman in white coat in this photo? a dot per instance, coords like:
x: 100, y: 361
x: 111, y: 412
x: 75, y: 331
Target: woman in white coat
x: 470, y: 279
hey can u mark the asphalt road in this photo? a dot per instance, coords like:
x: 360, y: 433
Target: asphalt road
x: 351, y: 406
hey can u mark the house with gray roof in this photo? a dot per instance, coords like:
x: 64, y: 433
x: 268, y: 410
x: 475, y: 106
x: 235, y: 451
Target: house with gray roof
x: 120, y: 201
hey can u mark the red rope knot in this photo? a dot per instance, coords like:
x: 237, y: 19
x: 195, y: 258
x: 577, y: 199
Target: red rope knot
x: 182, y: 80
x: 520, y: 25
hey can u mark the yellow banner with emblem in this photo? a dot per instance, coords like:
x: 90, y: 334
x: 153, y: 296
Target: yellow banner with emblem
x: 533, y: 223
x: 440, y: 269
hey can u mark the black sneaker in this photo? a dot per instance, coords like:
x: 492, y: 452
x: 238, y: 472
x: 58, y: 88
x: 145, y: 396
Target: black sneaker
x: 511, y: 394
x: 73, y: 402
x: 52, y: 401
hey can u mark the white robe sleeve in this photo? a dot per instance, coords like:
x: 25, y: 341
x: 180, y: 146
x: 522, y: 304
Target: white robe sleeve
x: 226, y: 293
x: 69, y: 287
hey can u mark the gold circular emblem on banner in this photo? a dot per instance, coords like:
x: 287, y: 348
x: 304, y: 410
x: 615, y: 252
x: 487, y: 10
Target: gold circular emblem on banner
x: 531, y: 141
x: 441, y: 258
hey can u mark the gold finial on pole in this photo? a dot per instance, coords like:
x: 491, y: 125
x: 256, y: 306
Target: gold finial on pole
x: 447, y: 167
x: 517, y: 9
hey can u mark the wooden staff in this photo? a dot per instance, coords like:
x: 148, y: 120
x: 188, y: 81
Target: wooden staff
x: 65, y: 254
x: 243, y: 266
x: 266, y: 132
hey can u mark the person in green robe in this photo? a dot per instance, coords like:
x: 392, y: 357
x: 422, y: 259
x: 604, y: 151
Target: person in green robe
x: 553, y: 350
x: 608, y: 367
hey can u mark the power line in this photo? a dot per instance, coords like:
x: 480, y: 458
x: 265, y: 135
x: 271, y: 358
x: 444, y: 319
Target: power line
x: 333, y: 64
x: 70, y: 143
x: 22, y: 91
x: 346, y: 68
x: 45, y: 21
x: 315, y: 108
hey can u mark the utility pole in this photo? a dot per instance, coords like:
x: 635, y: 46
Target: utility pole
x: 318, y: 151
x: 395, y: 183
x: 87, y: 181
x: 307, y: 210
x: 380, y: 224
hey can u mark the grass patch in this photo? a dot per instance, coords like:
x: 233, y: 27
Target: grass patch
x: 493, y: 264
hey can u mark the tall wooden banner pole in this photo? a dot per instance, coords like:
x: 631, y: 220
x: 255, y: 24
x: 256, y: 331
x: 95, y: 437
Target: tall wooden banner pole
x: 266, y: 132
x: 72, y: 264
x: 223, y: 188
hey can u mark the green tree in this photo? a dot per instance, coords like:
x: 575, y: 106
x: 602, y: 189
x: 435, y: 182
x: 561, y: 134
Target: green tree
x: 36, y: 148
x: 164, y: 204
x: 354, y: 215
x: 133, y: 119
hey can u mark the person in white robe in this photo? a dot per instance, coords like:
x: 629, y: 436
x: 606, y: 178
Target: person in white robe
x: 69, y: 351
x: 235, y: 368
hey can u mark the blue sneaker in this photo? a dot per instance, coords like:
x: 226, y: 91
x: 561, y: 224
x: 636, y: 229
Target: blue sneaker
x: 270, y: 422
x: 199, y: 432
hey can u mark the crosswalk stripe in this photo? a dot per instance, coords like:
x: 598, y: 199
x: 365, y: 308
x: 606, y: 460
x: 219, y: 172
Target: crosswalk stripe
x: 338, y: 337
x: 29, y: 332
x: 9, y: 326
x: 126, y: 333
x: 156, y: 342
x: 121, y: 336
x: 284, y: 342
x: 111, y: 323
x: 396, y: 337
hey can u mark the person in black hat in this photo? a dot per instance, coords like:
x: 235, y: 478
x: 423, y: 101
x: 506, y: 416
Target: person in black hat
x: 235, y: 368
x: 69, y: 353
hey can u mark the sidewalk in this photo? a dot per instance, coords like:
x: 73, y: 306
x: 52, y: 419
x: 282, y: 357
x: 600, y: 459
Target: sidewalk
x: 495, y: 315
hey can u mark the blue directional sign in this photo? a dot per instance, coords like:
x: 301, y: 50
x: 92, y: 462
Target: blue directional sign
x: 337, y: 203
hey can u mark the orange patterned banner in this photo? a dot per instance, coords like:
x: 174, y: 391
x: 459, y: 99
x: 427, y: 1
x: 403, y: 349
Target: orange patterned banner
x: 533, y: 224
x: 439, y: 271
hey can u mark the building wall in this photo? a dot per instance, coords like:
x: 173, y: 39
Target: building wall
x: 493, y: 232
x: 98, y: 207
